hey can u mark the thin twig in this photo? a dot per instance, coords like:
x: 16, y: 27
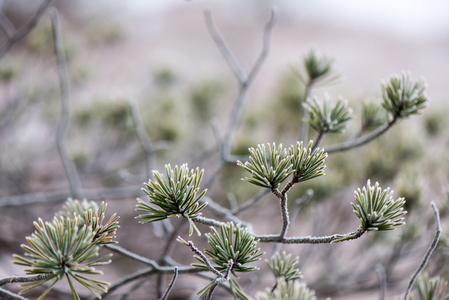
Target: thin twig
x: 6, y: 25
x: 26, y: 278
x: 200, y: 254
x: 22, y: 32
x: 266, y: 45
x: 61, y: 196
x: 225, y: 213
x: 310, y: 239
x: 8, y: 295
x: 318, y: 140
x: 244, y: 79
x: 126, y: 279
x: 432, y: 246
x: 223, y: 47
x: 208, y: 221
x: 170, y: 285
x: 143, y: 137
x: 305, y: 125
x: 153, y: 264
x: 250, y: 202
x: 167, y: 251
x: 61, y: 131
x: 217, y: 133
x: 360, y: 141
x: 134, y: 287
x: 220, y: 280
x: 298, y: 203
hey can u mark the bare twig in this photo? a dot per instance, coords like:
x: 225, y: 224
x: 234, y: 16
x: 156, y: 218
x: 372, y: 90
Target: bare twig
x: 224, y: 48
x: 15, y: 36
x: 61, y: 131
x: 170, y: 285
x: 143, y: 137
x: 432, y: 246
x: 150, y: 262
x: 220, y: 280
x: 318, y: 140
x: 298, y: 203
x: 8, y: 295
x: 250, y: 202
x: 208, y: 221
x: 266, y: 45
x: 200, y: 254
x: 6, y: 25
x: 360, y: 141
x: 134, y: 287
x: 310, y: 239
x: 61, y: 196
x: 224, y: 212
x: 304, y: 125
x: 26, y: 278
x: 285, y: 217
x: 244, y: 79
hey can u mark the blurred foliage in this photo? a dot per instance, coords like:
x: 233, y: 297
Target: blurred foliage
x: 373, y: 116
x: 105, y: 33
x: 112, y: 113
x: 203, y: 99
x: 285, y: 108
x: 7, y: 73
x: 165, y: 77
x: 435, y: 123
x: 410, y: 185
x: 434, y: 288
x: 40, y: 41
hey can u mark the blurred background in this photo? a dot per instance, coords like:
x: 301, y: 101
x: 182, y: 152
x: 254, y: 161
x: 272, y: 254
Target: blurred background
x: 159, y: 55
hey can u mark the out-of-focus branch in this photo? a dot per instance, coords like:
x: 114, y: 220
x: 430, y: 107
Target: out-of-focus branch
x: 64, y: 122
x: 61, y: 196
x: 244, y: 82
x: 16, y: 35
x: 224, y: 48
x: 133, y: 287
x: 244, y: 79
x: 250, y: 202
x: 432, y: 246
x: 157, y: 268
x: 8, y: 295
x: 144, y: 139
x: 383, y: 281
